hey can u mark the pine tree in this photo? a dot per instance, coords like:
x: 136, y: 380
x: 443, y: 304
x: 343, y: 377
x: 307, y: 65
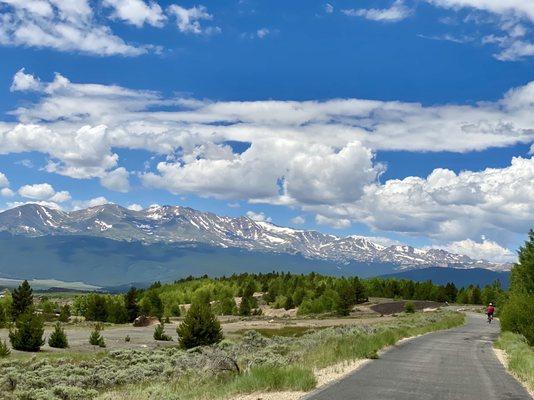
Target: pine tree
x: 247, y: 301
x: 58, y: 338
x: 516, y: 315
x: 159, y: 333
x: 64, y: 314
x: 522, y: 276
x: 130, y: 299
x: 96, y: 338
x: 200, y: 327
x: 22, y: 300
x: 28, y: 333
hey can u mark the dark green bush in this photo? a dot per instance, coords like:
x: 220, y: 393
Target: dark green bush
x: 96, y: 338
x: 200, y: 327
x: 28, y: 333
x: 58, y: 338
x: 409, y: 307
x: 517, y: 316
x: 64, y: 314
x: 159, y: 333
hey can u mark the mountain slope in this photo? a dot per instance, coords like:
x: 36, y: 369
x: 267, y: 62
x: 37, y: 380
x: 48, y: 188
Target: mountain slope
x: 106, y: 262
x: 173, y: 224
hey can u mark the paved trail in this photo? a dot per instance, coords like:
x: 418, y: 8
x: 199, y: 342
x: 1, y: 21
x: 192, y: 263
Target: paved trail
x: 458, y: 364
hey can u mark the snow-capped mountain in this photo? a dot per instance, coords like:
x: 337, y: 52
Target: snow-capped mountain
x: 173, y: 224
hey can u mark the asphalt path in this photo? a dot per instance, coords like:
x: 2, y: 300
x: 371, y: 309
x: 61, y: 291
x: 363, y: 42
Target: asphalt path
x: 456, y: 364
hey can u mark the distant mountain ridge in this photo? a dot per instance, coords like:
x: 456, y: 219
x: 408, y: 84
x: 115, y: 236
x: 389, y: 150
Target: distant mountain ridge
x: 176, y: 224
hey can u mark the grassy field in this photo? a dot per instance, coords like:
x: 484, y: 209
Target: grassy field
x: 243, y: 364
x: 520, y: 357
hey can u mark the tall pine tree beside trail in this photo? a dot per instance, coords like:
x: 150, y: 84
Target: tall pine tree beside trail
x: 22, y: 300
x: 522, y: 277
x: 518, y: 312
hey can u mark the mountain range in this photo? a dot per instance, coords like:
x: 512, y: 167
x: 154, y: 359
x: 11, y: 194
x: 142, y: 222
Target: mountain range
x: 190, y: 239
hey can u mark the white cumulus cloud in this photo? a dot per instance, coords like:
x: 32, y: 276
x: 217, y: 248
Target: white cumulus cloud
x: 188, y: 19
x: 24, y: 82
x: 484, y: 250
x: 137, y: 12
x: 258, y: 217
x: 60, y: 25
x: 45, y: 192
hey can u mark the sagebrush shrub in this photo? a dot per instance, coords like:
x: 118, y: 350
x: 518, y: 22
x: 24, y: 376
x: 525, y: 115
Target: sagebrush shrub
x: 58, y: 338
x: 28, y: 333
x: 409, y: 307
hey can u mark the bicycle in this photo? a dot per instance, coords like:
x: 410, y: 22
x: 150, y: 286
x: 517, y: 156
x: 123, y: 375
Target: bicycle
x: 490, y: 318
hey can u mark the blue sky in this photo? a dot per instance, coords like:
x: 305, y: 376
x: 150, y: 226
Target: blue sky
x: 404, y: 120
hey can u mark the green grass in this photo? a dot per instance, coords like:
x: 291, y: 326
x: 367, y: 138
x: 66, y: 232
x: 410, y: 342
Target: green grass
x: 520, y: 356
x: 332, y: 346
x: 195, y: 387
x: 357, y: 346
x: 286, y: 331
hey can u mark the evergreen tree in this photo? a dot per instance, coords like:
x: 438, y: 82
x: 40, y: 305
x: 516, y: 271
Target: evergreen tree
x: 96, y: 339
x: 200, y: 327
x: 28, y: 333
x: 159, y: 333
x: 152, y: 304
x: 22, y: 300
x: 3, y: 315
x: 522, y: 275
x: 64, y: 314
x: 516, y: 315
x: 245, y: 308
x: 345, y: 299
x: 96, y: 308
x: 58, y: 338
x: 288, y: 304
x: 130, y: 299
x: 451, y: 292
x: 247, y: 301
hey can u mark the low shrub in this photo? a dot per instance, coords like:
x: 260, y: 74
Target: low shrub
x: 58, y: 338
x: 409, y: 307
x: 4, y: 350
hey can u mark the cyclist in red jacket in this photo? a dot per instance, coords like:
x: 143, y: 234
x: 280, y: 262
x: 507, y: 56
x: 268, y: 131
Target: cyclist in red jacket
x: 489, y: 311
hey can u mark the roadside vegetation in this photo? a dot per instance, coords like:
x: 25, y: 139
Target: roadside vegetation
x: 517, y: 316
x: 247, y: 364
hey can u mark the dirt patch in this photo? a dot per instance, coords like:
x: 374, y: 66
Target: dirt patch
x: 395, y: 307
